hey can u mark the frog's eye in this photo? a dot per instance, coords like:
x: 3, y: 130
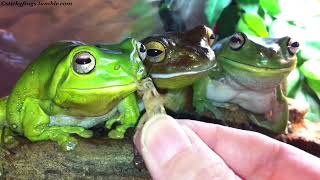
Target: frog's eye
x: 210, y: 36
x: 237, y: 41
x: 293, y: 47
x: 156, y: 52
x: 141, y: 50
x: 83, y: 63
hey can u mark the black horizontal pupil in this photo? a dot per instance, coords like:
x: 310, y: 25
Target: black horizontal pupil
x: 295, y: 44
x: 83, y: 60
x: 235, y: 40
x: 153, y: 52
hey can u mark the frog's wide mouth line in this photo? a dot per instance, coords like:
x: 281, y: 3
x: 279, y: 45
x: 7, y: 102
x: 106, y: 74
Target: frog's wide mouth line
x: 258, y: 69
x: 178, y: 74
x: 111, y: 88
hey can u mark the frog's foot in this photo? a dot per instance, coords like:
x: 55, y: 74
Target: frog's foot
x: 277, y: 127
x: 7, y: 138
x: 118, y: 132
x: 204, y: 105
x: 229, y: 106
x: 60, y: 135
x: 110, y: 122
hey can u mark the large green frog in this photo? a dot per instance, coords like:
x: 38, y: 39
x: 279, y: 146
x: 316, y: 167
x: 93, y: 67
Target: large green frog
x: 71, y: 87
x: 176, y: 60
x: 249, y: 74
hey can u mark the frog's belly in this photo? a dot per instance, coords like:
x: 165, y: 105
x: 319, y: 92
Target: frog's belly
x: 229, y: 92
x: 86, y: 122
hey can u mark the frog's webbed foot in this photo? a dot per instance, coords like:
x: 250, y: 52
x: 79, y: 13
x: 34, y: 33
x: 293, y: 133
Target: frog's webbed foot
x: 207, y: 105
x: 276, y: 119
x: 119, y: 131
x: 7, y: 138
x: 61, y: 135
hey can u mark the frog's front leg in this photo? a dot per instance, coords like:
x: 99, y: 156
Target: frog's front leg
x: 201, y: 103
x: 36, y: 127
x: 129, y: 114
x: 277, y: 119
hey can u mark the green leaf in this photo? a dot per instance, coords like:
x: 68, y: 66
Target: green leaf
x: 305, y: 95
x: 254, y: 24
x: 293, y: 81
x: 272, y: 7
x: 243, y: 27
x: 310, y: 69
x: 249, y: 6
x: 141, y: 8
x: 214, y: 9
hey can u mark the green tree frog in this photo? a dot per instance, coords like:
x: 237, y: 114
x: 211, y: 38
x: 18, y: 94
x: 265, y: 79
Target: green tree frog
x: 250, y: 72
x: 176, y: 60
x: 71, y: 87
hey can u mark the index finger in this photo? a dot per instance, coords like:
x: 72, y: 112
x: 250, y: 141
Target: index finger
x: 253, y: 155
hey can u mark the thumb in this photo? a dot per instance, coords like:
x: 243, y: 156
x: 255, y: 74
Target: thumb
x: 173, y: 151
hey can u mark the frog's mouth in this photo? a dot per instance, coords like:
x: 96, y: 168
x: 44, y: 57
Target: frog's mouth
x: 114, y: 88
x: 262, y: 70
x: 183, y: 73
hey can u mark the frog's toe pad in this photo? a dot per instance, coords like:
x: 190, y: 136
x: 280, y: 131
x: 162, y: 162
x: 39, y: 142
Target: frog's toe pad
x: 86, y: 134
x: 70, y: 146
x: 114, y: 134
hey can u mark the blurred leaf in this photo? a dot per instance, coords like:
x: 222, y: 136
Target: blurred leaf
x: 249, y: 6
x: 293, y: 82
x: 243, y: 27
x: 305, y: 95
x: 141, y: 8
x: 311, y: 49
x: 254, y: 24
x: 226, y: 24
x: 214, y: 9
x: 310, y: 69
x: 272, y: 7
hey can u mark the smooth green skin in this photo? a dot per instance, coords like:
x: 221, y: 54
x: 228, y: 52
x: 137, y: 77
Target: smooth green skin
x: 259, y: 67
x: 188, y: 58
x: 51, y: 89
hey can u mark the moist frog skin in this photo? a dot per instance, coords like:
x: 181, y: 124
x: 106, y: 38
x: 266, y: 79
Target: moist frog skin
x: 176, y: 60
x: 250, y: 73
x: 71, y: 87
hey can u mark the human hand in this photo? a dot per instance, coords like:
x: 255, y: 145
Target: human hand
x: 186, y: 149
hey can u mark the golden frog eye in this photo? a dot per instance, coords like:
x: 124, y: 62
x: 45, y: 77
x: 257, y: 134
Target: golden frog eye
x: 156, y: 51
x: 211, y: 37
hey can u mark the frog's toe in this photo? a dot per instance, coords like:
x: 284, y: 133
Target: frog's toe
x: 86, y: 133
x: 114, y: 134
x: 10, y: 142
x: 70, y: 144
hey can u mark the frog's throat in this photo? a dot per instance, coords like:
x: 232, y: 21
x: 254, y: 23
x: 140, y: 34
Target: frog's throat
x: 250, y: 68
x: 179, y: 74
x: 108, y: 88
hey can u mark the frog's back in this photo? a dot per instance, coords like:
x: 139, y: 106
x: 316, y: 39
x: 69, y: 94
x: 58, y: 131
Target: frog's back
x: 35, y: 80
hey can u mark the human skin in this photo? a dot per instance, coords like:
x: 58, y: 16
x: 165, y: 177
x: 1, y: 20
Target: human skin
x: 186, y: 149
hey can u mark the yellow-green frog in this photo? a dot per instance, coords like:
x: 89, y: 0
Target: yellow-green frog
x: 249, y: 73
x: 71, y: 87
x: 176, y: 60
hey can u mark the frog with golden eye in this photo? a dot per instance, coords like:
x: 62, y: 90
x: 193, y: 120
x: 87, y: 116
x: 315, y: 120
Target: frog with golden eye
x: 175, y: 60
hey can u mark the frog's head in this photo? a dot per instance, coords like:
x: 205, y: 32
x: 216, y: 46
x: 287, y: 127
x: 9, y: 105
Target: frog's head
x: 176, y: 60
x: 99, y: 76
x: 257, y: 62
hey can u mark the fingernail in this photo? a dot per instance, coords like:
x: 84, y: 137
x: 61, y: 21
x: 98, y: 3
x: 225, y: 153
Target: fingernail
x: 162, y: 138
